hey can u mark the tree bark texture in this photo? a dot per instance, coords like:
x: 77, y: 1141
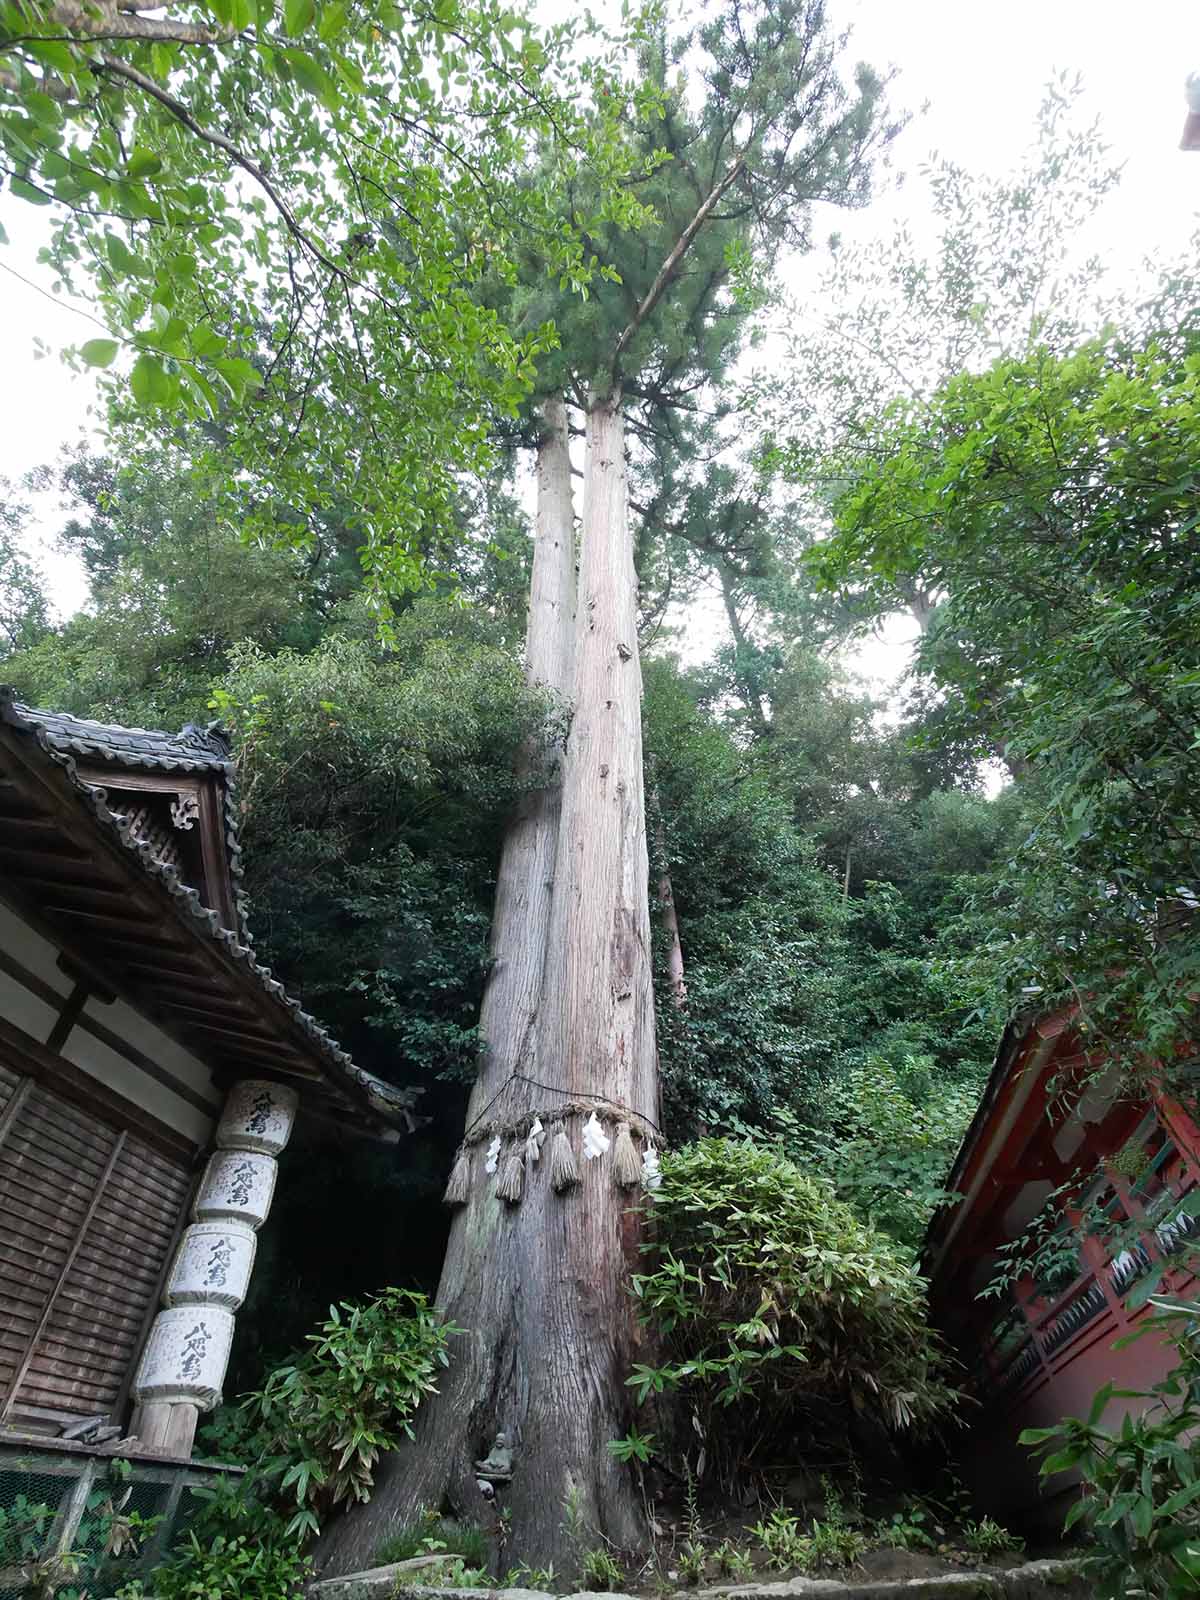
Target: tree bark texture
x: 541, y: 1287
x: 525, y: 879
x: 744, y: 674
x: 666, y: 901
x: 670, y: 919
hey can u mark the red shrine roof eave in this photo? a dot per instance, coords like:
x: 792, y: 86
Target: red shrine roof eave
x: 1031, y: 1050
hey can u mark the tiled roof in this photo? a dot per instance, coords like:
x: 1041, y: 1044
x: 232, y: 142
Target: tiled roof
x: 64, y: 738
x: 193, y: 749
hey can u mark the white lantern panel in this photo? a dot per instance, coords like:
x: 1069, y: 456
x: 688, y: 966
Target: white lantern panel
x: 186, y: 1356
x: 212, y: 1265
x: 258, y: 1116
x: 236, y: 1184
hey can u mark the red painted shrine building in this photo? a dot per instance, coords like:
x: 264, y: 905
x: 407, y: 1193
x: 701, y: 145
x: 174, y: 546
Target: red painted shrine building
x: 1056, y: 1138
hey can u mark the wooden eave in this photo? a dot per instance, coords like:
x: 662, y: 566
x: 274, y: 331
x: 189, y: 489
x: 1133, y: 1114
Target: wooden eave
x: 129, y: 923
x: 1020, y: 1072
x: 1009, y: 1142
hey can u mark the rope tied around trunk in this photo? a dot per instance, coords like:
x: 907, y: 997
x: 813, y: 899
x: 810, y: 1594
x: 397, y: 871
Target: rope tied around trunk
x: 600, y: 1105
x: 521, y: 1137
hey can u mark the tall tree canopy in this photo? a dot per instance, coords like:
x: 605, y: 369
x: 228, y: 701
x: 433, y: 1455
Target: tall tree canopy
x: 1051, y: 498
x: 826, y: 878
x: 893, y: 320
x: 538, y: 1263
x: 282, y: 216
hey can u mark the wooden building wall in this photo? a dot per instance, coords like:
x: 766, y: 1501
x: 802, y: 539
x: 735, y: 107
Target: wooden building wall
x: 102, y: 1121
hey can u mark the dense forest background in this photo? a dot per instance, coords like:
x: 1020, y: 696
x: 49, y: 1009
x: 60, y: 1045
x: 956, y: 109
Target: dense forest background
x: 830, y: 876
x: 861, y: 901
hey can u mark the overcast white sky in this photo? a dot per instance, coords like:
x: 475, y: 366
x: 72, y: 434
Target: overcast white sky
x: 982, y: 68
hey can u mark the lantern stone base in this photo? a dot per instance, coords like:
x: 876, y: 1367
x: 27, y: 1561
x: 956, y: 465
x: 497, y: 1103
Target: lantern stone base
x: 165, y: 1427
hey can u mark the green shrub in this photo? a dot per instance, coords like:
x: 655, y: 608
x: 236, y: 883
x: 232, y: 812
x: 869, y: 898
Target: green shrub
x: 237, y: 1543
x: 325, y: 1418
x: 907, y: 1530
x: 23, y: 1529
x: 601, y: 1569
x: 771, y: 1300
x: 691, y: 1560
x: 898, y: 1129
x: 457, y: 1574
x: 106, y: 1536
x: 1140, y: 1503
x: 988, y: 1538
x: 781, y: 1539
x: 435, y: 1535
x: 827, y: 1544
x: 831, y: 1545
x: 317, y: 1427
x: 732, y: 1562
x: 246, y: 1565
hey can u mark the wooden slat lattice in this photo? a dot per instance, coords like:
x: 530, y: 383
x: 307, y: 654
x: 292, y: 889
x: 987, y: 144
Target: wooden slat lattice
x: 87, y: 1215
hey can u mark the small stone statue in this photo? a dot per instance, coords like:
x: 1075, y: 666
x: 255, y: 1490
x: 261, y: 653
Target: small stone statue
x: 497, y: 1467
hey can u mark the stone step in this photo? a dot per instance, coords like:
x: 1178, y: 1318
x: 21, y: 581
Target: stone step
x: 1035, y: 1580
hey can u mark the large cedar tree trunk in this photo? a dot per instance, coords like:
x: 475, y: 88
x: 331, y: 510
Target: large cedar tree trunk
x: 541, y: 1287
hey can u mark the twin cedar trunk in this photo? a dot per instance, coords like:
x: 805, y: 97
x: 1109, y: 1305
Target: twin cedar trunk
x: 541, y: 1288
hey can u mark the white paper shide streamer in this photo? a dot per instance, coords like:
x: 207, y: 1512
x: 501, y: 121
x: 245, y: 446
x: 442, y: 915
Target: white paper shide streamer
x: 651, y: 1171
x: 493, y: 1156
x: 534, y: 1140
x: 595, y: 1140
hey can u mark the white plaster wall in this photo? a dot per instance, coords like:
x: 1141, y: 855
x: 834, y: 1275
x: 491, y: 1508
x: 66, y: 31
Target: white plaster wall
x: 147, y: 1037
x: 97, y: 1059
x: 23, y: 1008
x: 32, y: 951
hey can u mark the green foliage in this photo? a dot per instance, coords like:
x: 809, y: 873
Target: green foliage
x: 909, y: 1529
x: 899, y: 316
x: 780, y: 1537
x: 750, y: 97
x: 774, y: 1304
x: 691, y: 1559
x: 311, y: 1437
x: 526, y: 1577
x: 827, y: 1544
x: 24, y: 611
x: 23, y: 1528
x: 370, y: 864
x: 105, y: 1539
x: 1072, y: 474
x: 634, y: 1446
x: 261, y: 1562
x: 601, y: 1570
x: 892, y: 1136
x: 324, y: 1420
x: 988, y: 1538
x: 434, y: 1535
x: 793, y: 982
x: 832, y: 1545
x: 731, y: 1561
x: 1140, y: 1504
x: 284, y: 218
x: 762, y: 926
x: 173, y: 587
x: 457, y: 1574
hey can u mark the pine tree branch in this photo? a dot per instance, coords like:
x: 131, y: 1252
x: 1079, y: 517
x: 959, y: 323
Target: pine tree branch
x: 671, y: 265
